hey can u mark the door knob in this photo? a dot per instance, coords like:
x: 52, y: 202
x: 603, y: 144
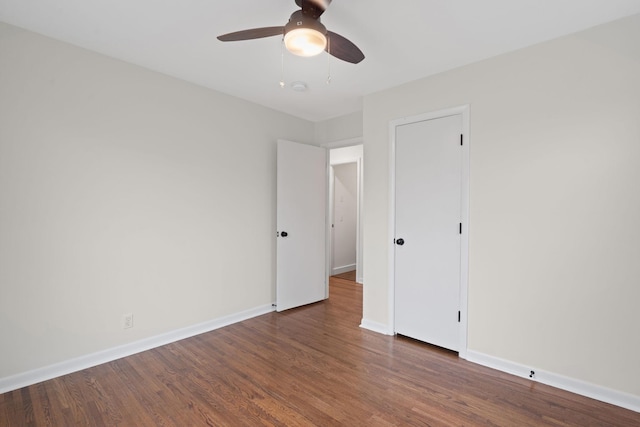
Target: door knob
x: 284, y: 234
x: 399, y: 242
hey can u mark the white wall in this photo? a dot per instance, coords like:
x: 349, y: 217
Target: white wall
x: 554, y: 237
x: 345, y: 210
x: 339, y: 128
x: 125, y: 191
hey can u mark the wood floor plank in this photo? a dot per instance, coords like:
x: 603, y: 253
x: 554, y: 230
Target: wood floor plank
x: 310, y: 366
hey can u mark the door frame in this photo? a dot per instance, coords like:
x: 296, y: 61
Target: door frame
x: 464, y: 215
x: 359, y: 249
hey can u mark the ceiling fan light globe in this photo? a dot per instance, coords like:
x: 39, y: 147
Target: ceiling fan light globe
x: 305, y: 41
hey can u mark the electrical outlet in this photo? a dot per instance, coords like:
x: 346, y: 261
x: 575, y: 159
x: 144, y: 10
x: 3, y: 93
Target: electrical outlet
x: 127, y: 321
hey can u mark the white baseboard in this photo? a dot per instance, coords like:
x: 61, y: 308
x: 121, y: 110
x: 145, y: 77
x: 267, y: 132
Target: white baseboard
x: 583, y: 388
x: 343, y: 269
x: 380, y: 328
x: 24, y: 379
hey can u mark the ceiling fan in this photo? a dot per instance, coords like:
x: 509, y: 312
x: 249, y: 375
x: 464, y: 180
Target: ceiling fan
x: 304, y: 34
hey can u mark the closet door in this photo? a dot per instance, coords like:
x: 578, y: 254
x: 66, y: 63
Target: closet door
x: 427, y: 230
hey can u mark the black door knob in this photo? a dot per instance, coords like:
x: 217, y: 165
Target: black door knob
x: 399, y: 242
x: 284, y: 234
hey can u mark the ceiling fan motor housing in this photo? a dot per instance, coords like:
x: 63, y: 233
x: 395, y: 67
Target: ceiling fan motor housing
x: 299, y: 20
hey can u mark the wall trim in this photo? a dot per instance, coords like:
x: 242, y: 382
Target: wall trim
x: 583, y: 388
x: 380, y: 328
x: 343, y: 269
x: 24, y: 379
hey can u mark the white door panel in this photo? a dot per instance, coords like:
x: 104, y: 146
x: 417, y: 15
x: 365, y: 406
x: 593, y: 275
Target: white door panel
x: 428, y: 211
x: 301, y: 213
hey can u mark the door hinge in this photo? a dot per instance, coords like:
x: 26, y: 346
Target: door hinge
x: 460, y: 228
x: 458, y: 316
x: 461, y: 138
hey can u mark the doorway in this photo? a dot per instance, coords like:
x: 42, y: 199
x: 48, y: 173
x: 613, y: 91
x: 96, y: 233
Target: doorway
x: 302, y: 194
x: 345, y: 201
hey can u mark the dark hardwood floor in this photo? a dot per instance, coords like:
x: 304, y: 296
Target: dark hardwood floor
x: 308, y: 366
x: 349, y: 275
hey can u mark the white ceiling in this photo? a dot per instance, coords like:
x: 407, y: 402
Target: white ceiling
x: 403, y: 40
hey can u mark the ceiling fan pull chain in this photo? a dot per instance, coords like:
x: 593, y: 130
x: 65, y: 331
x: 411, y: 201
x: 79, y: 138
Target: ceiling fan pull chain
x: 329, y: 60
x: 282, y: 63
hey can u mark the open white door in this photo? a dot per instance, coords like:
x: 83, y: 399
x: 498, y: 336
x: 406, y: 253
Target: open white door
x: 301, y: 225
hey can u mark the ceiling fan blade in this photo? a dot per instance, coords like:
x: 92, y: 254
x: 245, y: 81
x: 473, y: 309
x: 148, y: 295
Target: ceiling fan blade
x: 342, y: 48
x: 254, y: 33
x: 313, y: 8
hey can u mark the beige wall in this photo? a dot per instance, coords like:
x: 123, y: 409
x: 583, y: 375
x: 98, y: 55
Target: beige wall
x: 114, y: 199
x: 555, y: 168
x: 125, y: 191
